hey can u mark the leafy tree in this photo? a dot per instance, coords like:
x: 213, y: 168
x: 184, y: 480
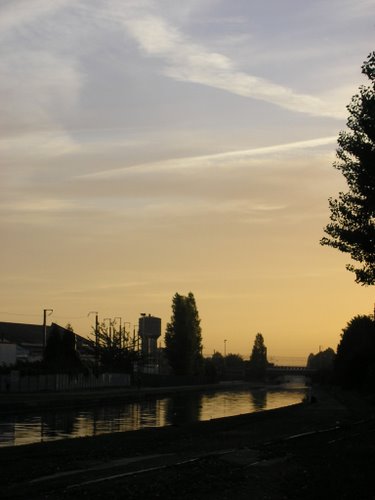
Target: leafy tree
x: 183, y: 336
x: 352, y: 226
x: 218, y: 361
x: 232, y: 365
x: 258, y: 359
x: 210, y: 370
x: 355, y: 359
x: 114, y: 352
x: 323, y: 360
x: 323, y: 364
x: 234, y: 361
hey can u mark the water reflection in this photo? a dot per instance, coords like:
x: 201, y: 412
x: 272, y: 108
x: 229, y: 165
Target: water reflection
x: 54, y: 424
x: 183, y: 408
x: 259, y: 399
x: 176, y: 409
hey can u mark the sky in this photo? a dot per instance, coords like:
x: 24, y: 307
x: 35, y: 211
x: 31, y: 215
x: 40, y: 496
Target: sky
x: 149, y: 147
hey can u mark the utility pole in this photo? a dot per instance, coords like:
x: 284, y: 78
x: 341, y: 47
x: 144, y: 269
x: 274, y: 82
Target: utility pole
x: 45, y: 311
x: 127, y: 333
x: 120, y: 330
x: 96, y: 335
x: 109, y: 330
x: 134, y: 344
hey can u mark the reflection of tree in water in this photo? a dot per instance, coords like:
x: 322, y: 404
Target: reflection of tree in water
x: 114, y: 418
x: 259, y: 399
x: 150, y: 413
x: 57, y: 423
x: 183, y: 408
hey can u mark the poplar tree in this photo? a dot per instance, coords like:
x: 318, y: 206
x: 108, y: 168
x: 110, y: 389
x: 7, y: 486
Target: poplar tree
x: 183, y: 336
x: 259, y: 352
x: 352, y: 226
x: 258, y: 359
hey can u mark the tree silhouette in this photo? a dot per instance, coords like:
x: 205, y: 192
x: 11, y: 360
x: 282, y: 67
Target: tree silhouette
x: 234, y: 361
x: 218, y: 362
x: 352, y: 226
x: 323, y: 360
x: 183, y: 337
x: 258, y: 359
x: 323, y: 365
x: 355, y: 358
x: 115, y: 353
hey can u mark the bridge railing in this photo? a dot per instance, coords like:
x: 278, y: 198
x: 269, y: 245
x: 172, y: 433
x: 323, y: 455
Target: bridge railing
x: 287, y: 368
x: 296, y: 370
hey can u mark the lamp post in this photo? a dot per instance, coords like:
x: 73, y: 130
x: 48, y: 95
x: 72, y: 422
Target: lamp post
x: 225, y: 348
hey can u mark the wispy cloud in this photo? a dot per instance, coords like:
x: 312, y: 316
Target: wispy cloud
x: 190, y: 62
x: 38, y: 145
x: 195, y: 206
x: 105, y: 287
x: 206, y: 161
x: 23, y: 12
x: 359, y: 8
x: 40, y: 205
x: 40, y: 79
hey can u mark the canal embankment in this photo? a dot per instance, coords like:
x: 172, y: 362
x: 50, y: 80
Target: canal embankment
x: 324, y: 449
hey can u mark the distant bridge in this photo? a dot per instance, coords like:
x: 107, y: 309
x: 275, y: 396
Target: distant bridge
x: 290, y: 370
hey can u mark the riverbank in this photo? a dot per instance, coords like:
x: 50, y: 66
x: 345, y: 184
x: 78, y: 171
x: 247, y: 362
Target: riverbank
x: 305, y: 451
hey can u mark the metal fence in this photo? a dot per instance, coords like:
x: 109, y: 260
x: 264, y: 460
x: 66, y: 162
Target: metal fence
x: 15, y: 382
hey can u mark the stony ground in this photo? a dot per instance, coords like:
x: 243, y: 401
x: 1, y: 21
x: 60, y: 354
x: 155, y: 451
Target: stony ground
x: 320, y: 450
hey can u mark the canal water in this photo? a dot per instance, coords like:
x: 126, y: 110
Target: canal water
x: 179, y: 408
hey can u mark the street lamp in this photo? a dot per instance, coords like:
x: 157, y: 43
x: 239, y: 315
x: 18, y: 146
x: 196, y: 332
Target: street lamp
x: 225, y: 348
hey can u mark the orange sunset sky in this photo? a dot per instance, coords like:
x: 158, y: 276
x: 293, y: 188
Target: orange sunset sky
x: 150, y: 147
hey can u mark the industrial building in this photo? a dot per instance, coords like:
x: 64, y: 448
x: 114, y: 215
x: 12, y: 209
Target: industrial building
x: 25, y: 342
